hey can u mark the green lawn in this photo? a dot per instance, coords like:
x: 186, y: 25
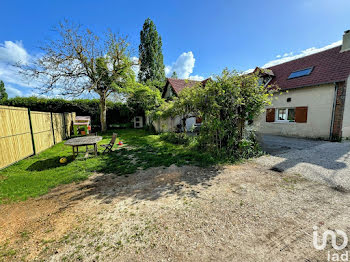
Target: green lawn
x: 34, y: 176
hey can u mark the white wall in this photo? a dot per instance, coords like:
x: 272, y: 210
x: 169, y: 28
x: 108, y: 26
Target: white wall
x: 168, y: 92
x: 346, y: 117
x: 169, y: 124
x: 165, y: 125
x: 318, y: 99
x: 190, y: 122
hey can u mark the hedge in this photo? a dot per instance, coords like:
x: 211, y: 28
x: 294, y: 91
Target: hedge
x: 117, y: 113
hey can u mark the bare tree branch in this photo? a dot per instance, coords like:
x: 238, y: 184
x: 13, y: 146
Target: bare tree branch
x: 79, y: 61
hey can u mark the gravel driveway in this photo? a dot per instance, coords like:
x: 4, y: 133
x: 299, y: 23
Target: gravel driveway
x: 230, y: 213
x: 326, y: 162
x: 243, y: 212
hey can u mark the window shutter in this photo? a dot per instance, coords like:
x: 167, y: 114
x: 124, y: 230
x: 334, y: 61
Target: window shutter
x: 301, y: 114
x: 198, y: 120
x: 270, y: 115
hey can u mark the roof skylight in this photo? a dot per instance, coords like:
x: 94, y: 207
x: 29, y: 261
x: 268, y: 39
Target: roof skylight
x: 300, y: 73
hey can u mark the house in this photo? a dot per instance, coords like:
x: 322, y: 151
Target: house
x: 172, y: 88
x: 314, y: 98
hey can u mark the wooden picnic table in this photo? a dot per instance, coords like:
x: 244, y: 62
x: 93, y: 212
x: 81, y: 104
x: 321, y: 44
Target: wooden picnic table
x: 83, y: 141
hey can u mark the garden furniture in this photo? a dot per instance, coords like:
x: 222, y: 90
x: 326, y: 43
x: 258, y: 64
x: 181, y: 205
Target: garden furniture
x: 83, y: 141
x: 108, y: 147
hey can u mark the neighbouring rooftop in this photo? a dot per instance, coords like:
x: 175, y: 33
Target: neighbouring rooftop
x: 179, y: 84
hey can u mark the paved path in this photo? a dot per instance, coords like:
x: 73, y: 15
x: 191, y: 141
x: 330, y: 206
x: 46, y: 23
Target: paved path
x: 322, y: 161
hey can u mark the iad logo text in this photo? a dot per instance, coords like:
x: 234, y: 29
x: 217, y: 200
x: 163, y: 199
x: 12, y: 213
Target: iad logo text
x: 332, y: 256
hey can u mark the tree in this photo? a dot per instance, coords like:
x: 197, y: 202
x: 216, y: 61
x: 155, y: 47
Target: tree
x: 224, y: 104
x: 79, y: 61
x: 3, y: 94
x: 174, y: 75
x: 144, y: 98
x: 185, y: 105
x: 150, y: 54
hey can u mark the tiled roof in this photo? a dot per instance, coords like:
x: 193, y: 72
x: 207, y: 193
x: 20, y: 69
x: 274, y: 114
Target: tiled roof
x: 179, y: 84
x: 328, y: 66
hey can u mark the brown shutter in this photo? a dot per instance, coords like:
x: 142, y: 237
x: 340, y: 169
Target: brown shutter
x: 270, y: 115
x: 301, y: 114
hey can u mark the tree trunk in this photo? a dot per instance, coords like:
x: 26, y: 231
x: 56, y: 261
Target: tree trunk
x: 103, y: 113
x: 184, y: 125
x: 241, y: 126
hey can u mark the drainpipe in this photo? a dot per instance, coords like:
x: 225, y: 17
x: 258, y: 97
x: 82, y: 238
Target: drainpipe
x: 333, y: 109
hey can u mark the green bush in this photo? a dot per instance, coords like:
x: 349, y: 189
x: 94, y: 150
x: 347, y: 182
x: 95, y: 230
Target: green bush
x: 117, y: 113
x: 225, y: 104
x: 176, y: 138
x: 248, y: 149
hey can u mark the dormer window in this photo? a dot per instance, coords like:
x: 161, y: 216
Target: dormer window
x: 265, y: 75
x: 300, y: 73
x: 264, y: 80
x: 267, y: 80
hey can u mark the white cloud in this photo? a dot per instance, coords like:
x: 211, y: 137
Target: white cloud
x: 248, y: 71
x: 183, y: 66
x: 196, y: 77
x: 289, y: 56
x: 13, y: 92
x: 135, y: 68
x: 13, y: 53
x: 168, y: 71
x: 10, y: 74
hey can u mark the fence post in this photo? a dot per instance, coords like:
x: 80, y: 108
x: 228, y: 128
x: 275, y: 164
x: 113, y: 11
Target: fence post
x: 31, y: 131
x: 53, y: 131
x: 64, y: 125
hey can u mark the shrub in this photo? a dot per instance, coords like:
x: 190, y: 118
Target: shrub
x: 176, y: 138
x: 117, y: 113
x: 249, y: 147
x: 225, y: 104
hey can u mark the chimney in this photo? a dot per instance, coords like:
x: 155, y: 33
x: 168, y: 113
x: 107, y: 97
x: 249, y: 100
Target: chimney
x: 346, y: 41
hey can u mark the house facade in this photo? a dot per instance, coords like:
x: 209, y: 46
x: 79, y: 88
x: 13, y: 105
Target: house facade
x: 313, y: 98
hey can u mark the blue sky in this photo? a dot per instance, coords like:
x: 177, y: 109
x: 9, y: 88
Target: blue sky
x: 200, y: 38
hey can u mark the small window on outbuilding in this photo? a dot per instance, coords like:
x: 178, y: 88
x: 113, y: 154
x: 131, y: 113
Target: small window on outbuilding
x: 300, y: 73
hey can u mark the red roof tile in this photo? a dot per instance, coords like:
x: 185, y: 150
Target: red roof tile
x: 179, y: 84
x: 328, y: 66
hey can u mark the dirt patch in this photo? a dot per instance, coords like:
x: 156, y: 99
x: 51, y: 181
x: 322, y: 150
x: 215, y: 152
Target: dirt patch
x: 231, y: 213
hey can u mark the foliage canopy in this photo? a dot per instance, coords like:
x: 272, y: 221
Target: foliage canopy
x: 3, y: 93
x: 150, y: 54
x: 144, y: 98
x: 225, y: 104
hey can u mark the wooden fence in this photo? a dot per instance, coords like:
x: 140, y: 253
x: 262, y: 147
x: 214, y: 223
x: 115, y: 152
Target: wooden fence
x: 24, y: 133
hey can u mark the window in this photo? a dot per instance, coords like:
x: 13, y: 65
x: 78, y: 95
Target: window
x: 265, y: 80
x: 285, y: 115
x: 304, y: 72
x: 282, y: 114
